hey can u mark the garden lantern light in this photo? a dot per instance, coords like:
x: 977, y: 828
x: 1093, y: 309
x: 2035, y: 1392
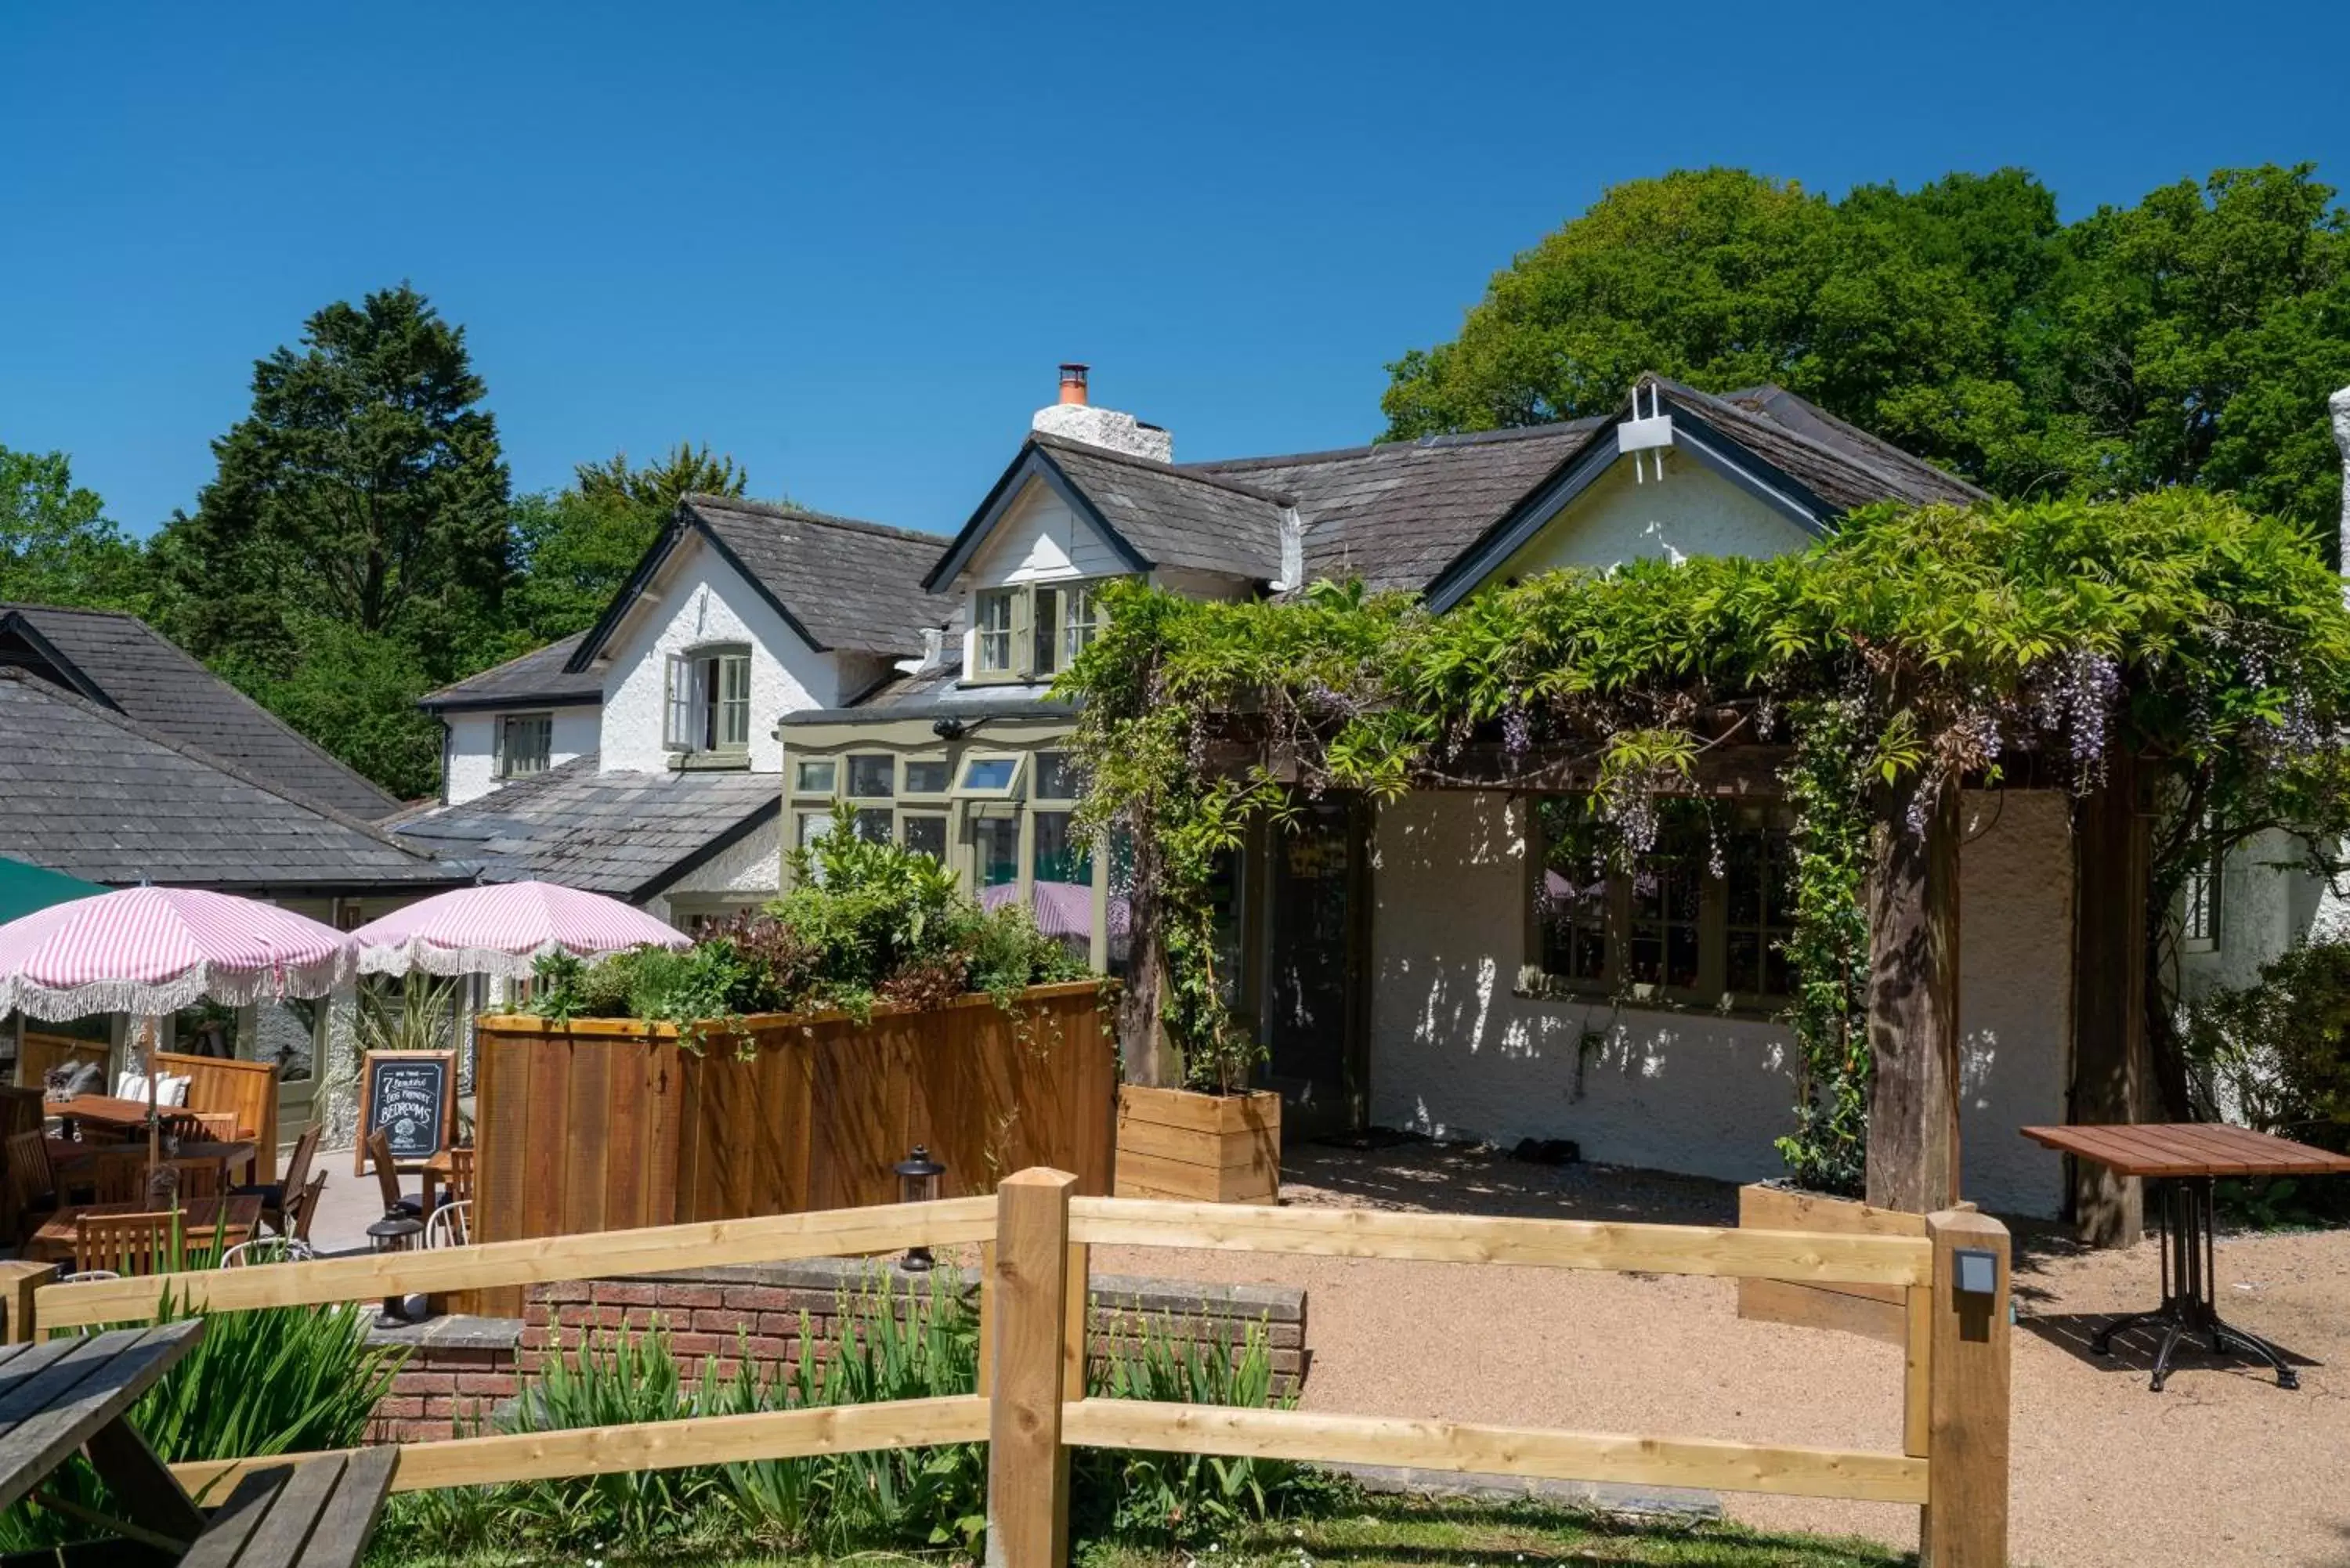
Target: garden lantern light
x: 918, y: 1182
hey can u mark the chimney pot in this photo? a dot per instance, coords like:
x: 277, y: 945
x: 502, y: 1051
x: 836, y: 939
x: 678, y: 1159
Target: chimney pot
x: 1073, y: 384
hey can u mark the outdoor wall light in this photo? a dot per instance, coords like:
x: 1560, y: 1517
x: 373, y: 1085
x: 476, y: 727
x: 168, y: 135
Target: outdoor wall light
x: 918, y: 1182
x: 1976, y: 1271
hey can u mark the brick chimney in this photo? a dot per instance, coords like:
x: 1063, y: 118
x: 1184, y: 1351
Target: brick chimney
x: 1073, y: 418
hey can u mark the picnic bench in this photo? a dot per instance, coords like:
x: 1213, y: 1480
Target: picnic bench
x: 57, y: 1396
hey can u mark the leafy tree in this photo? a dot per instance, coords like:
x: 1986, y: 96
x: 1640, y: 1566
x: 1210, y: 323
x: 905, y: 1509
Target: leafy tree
x: 575, y: 548
x: 367, y: 484
x: 58, y: 546
x: 2190, y: 339
x: 359, y: 512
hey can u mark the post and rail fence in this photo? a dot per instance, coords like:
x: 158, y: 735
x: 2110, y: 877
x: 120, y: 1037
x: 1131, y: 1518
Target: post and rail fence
x: 1032, y: 1408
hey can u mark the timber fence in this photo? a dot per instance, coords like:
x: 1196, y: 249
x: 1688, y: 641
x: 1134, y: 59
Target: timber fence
x: 1030, y: 1407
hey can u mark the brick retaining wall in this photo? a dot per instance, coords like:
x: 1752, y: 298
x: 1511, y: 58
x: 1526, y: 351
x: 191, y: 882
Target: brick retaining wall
x: 461, y: 1368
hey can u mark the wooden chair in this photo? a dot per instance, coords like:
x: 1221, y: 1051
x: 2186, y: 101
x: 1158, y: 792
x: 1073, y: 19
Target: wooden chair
x: 119, y: 1175
x: 451, y: 1225
x: 124, y: 1243
x: 273, y: 1194
x: 208, y: 1181
x: 386, y: 1179
x: 32, y: 1181
x: 460, y: 1187
x: 303, y: 1208
x: 200, y: 1127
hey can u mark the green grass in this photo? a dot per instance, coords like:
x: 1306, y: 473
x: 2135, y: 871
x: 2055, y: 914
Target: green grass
x: 1383, y: 1532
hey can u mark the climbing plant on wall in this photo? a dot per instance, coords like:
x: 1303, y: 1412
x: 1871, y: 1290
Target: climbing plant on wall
x: 1932, y: 645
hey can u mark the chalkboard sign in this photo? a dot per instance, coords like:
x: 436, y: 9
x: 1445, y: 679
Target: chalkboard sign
x: 411, y: 1096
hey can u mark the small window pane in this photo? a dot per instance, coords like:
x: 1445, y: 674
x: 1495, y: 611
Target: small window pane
x: 1057, y: 776
x: 925, y: 835
x: 524, y: 744
x: 1064, y: 875
x: 813, y: 825
x: 871, y: 777
x: 733, y: 726
x: 873, y: 825
x: 1045, y: 632
x: 815, y: 778
x: 1572, y: 901
x: 989, y: 773
x: 926, y: 778
x: 1079, y: 621
x: 992, y: 620
x: 996, y: 843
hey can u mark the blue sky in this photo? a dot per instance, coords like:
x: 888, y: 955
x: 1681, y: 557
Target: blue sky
x: 848, y: 243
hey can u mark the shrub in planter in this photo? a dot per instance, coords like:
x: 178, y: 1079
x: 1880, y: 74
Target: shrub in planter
x: 864, y: 922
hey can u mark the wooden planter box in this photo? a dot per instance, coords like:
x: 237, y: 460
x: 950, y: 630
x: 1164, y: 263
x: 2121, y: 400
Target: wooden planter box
x: 607, y: 1124
x: 1180, y: 1143
x: 1876, y: 1311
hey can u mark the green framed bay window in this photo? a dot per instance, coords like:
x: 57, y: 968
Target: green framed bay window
x: 1031, y: 632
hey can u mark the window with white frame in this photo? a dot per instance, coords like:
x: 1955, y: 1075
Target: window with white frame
x: 525, y: 743
x: 1702, y: 919
x: 708, y: 707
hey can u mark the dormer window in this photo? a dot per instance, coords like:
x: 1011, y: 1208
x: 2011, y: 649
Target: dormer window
x: 708, y: 702
x: 1032, y: 633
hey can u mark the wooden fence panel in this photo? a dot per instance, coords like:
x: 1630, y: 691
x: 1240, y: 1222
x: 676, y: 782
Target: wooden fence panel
x: 42, y: 1051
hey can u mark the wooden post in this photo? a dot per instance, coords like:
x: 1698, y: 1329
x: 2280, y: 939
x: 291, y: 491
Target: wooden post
x: 1027, y: 1468
x: 1913, y: 999
x: 2112, y: 851
x: 18, y: 1281
x: 1141, y: 1007
x: 1964, y: 1522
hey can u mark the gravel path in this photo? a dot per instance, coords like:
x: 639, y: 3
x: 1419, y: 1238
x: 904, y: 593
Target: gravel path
x: 2223, y: 1468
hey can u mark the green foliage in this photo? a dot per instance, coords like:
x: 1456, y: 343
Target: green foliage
x: 1930, y: 645
x: 2275, y: 1054
x: 58, y: 546
x: 864, y: 922
x: 575, y: 548
x: 2190, y: 339
x: 1173, y: 1499
x: 417, y: 1013
x: 278, y: 1380
x: 352, y: 548
x: 1826, y: 782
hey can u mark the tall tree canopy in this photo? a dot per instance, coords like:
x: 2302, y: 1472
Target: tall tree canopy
x: 353, y: 549
x: 2189, y: 340
x: 58, y: 546
x: 577, y: 546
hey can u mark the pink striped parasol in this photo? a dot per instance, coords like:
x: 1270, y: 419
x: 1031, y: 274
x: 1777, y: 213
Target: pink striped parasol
x: 156, y: 950
x: 504, y: 929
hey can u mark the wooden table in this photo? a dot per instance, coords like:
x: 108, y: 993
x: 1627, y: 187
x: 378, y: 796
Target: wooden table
x: 60, y: 1395
x: 2190, y: 1158
x: 64, y: 1155
x: 105, y: 1111
x: 438, y: 1169
x: 199, y: 1217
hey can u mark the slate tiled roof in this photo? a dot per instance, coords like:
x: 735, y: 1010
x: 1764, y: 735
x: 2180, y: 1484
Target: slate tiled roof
x: 95, y: 793
x: 1192, y: 518
x: 852, y: 586
x: 122, y: 661
x: 1839, y: 462
x: 537, y: 676
x: 1396, y: 514
x: 625, y: 834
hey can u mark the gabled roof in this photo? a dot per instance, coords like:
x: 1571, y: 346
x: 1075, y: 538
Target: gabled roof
x: 1154, y: 513
x: 1797, y: 460
x: 95, y: 793
x: 1395, y: 515
x: 626, y: 833
x: 119, y: 661
x: 837, y: 582
x: 539, y: 676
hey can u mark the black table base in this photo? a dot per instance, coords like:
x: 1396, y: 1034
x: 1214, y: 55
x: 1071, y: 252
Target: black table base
x: 2188, y: 1279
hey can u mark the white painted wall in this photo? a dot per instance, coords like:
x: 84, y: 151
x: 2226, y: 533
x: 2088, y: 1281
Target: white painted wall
x: 703, y: 600
x: 1454, y: 1054
x: 1692, y: 511
x: 472, y: 767
x: 1040, y: 540
x: 747, y: 871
